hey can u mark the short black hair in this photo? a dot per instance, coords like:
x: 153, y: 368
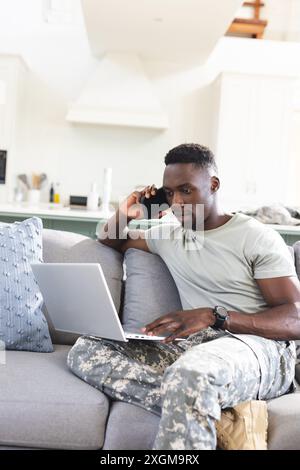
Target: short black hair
x: 198, y: 154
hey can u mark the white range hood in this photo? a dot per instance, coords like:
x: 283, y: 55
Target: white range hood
x: 119, y: 94
x: 120, y: 32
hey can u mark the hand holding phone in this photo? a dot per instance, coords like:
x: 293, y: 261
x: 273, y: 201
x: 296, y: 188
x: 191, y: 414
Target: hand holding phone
x: 153, y: 201
x: 144, y: 204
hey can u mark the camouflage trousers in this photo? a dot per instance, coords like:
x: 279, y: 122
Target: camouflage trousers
x: 186, y: 383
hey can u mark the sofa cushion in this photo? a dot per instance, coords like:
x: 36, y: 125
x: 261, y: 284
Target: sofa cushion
x: 143, y: 428
x: 297, y: 370
x: 150, y: 290
x: 284, y: 422
x: 283, y: 428
x: 22, y: 322
x: 57, y: 243
x: 296, y: 248
x: 44, y: 405
x: 67, y: 247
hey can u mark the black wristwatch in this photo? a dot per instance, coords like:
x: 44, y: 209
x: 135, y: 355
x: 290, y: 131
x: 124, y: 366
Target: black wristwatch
x: 221, y: 315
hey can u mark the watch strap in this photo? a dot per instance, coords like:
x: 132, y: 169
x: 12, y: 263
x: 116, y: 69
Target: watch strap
x: 220, y: 317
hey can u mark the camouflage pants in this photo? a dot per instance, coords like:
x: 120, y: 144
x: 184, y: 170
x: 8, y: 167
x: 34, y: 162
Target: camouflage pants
x: 186, y: 383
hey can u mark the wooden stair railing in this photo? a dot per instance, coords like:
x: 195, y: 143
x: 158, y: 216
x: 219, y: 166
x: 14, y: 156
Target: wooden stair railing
x: 253, y: 27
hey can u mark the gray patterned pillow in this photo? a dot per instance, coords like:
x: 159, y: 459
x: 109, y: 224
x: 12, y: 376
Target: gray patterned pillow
x: 22, y: 323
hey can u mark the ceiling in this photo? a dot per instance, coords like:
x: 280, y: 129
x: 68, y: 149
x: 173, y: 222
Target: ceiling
x: 171, y: 30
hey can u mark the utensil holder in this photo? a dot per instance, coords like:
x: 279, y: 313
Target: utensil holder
x: 33, y: 196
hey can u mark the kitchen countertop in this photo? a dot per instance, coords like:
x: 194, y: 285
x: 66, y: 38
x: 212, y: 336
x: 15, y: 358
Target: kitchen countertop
x: 58, y: 211
x: 50, y: 210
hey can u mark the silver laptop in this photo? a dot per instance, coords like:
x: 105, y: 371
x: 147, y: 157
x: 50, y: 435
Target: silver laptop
x: 78, y: 300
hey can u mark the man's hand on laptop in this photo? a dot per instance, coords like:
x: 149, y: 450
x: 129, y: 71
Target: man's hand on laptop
x: 181, y: 323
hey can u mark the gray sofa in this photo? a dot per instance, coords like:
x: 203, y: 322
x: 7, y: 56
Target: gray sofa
x: 43, y: 405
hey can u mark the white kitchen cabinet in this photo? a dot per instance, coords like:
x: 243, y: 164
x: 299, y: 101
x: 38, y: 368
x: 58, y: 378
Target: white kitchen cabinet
x: 12, y: 78
x: 253, y: 125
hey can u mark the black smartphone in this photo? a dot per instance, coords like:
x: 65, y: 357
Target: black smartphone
x: 157, y: 200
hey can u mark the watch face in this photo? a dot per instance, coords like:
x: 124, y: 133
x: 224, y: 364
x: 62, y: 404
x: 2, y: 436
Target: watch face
x: 221, y: 311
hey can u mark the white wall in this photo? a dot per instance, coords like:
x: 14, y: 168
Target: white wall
x: 60, y: 62
x: 276, y: 61
x: 283, y: 19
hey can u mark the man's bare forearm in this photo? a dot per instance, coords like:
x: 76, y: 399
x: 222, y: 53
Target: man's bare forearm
x: 115, y: 232
x: 278, y: 323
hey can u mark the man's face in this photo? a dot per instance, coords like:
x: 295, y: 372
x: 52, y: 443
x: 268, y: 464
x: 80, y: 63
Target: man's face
x: 189, y: 190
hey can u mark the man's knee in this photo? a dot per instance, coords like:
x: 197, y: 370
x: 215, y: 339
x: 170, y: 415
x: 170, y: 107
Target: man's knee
x: 84, y: 353
x: 197, y: 365
x: 194, y: 388
x: 92, y: 360
x: 190, y: 373
x: 196, y: 370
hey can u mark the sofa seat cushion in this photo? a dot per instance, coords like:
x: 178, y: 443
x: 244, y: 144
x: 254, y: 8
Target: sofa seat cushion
x: 283, y: 425
x: 284, y: 422
x: 143, y: 428
x: 44, y: 405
